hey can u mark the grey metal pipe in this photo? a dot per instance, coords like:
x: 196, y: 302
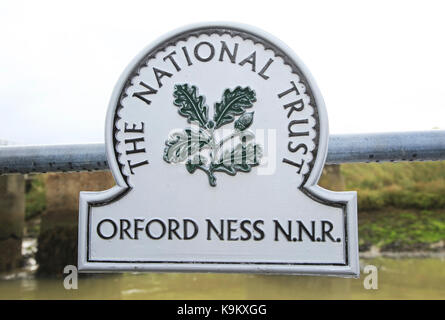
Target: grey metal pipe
x: 343, y: 148
x: 379, y: 147
x: 53, y: 158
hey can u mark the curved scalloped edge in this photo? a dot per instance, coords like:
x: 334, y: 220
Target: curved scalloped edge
x: 209, y: 31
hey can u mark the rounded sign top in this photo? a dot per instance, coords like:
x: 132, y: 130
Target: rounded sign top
x: 241, y: 99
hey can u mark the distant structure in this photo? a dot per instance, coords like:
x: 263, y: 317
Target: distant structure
x: 12, y: 216
x: 57, y: 242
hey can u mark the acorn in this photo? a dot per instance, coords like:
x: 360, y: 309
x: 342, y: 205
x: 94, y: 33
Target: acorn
x: 244, y: 121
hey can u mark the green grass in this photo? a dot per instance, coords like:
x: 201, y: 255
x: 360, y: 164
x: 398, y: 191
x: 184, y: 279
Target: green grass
x: 408, y: 185
x: 396, y: 229
x: 401, y: 205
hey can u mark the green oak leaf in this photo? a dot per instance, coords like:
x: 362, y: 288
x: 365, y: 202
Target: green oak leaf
x: 183, y: 144
x: 234, y: 102
x: 191, y: 105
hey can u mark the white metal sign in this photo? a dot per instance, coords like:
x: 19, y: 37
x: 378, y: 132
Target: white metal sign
x: 216, y: 136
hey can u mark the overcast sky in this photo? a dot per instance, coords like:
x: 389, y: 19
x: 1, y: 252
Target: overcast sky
x: 380, y: 65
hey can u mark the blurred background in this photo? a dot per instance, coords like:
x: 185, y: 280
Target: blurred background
x: 379, y: 66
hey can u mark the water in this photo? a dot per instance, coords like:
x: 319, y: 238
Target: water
x: 397, y: 279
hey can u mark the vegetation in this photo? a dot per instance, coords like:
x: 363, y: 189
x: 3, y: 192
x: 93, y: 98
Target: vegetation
x: 35, y: 197
x: 401, y: 230
x: 401, y: 205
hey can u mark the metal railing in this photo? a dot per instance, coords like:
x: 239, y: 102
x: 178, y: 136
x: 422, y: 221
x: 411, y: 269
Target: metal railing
x: 343, y: 148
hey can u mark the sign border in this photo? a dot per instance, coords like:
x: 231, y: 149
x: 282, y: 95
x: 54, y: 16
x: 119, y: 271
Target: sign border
x: 346, y: 200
